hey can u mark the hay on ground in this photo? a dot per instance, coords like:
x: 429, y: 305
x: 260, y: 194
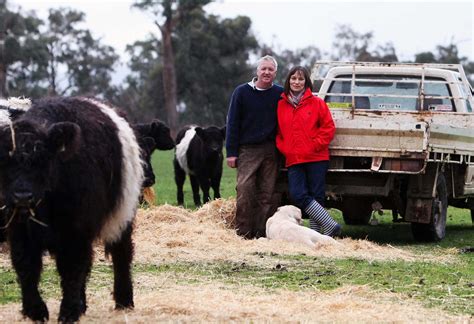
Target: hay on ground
x: 159, y: 299
x: 168, y: 233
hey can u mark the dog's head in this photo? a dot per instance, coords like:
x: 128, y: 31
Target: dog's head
x: 290, y: 213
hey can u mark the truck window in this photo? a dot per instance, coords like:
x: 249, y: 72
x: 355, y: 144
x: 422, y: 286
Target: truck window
x: 466, y: 98
x: 364, y: 92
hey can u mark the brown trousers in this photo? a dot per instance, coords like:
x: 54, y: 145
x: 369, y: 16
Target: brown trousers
x: 257, y: 171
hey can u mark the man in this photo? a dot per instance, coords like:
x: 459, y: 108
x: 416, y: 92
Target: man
x: 250, y: 144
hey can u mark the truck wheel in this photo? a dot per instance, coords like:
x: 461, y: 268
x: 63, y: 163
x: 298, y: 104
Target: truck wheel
x: 356, y: 211
x: 436, y: 229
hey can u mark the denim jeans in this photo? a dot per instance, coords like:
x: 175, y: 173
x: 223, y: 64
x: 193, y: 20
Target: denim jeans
x: 307, y: 182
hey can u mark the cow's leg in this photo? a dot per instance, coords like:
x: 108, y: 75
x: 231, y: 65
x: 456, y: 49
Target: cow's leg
x: 205, y: 184
x: 179, y: 178
x: 195, y: 187
x: 27, y: 262
x: 122, y: 255
x: 74, y: 261
x: 216, y: 183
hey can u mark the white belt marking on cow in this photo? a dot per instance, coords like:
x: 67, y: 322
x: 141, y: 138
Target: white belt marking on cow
x: 182, y: 148
x: 132, y: 177
x: 4, y: 118
x: 12, y: 103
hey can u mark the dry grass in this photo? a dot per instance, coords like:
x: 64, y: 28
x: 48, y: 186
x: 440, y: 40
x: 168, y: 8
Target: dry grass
x: 171, y: 234
x: 168, y: 233
x: 159, y: 299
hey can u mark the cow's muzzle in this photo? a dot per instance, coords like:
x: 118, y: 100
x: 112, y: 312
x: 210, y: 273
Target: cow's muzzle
x: 23, y: 199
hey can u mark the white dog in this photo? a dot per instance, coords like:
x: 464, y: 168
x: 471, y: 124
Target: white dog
x: 285, y: 225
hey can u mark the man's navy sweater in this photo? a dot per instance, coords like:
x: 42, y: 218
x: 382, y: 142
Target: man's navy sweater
x: 252, y: 117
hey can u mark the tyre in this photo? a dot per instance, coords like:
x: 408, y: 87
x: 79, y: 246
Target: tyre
x: 436, y: 229
x: 356, y: 211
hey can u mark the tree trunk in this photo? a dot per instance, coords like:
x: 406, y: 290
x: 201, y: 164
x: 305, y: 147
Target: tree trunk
x: 169, y: 78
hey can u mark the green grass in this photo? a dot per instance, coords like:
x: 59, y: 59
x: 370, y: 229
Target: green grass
x: 435, y: 285
x: 165, y: 187
x: 444, y: 286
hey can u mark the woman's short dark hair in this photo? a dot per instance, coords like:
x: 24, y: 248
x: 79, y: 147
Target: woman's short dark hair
x: 307, y: 78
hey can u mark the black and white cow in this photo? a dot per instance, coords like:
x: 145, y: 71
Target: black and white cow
x: 10, y: 110
x: 70, y: 173
x: 199, y: 154
x: 152, y: 136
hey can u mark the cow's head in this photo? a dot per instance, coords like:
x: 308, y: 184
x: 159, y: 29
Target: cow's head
x: 213, y: 138
x: 28, y: 158
x: 152, y: 136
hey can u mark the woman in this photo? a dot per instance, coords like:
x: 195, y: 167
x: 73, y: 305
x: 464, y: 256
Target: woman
x: 305, y: 129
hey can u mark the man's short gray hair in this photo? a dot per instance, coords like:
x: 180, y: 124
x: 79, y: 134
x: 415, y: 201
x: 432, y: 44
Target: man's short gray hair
x: 267, y: 58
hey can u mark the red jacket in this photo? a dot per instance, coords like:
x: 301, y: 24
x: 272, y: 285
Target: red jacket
x: 304, y: 131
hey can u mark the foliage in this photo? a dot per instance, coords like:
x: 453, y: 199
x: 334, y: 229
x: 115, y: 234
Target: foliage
x: 350, y: 45
x: 287, y: 59
x: 69, y: 47
x: 448, y: 54
x: 18, y: 43
x: 210, y: 58
x: 56, y: 57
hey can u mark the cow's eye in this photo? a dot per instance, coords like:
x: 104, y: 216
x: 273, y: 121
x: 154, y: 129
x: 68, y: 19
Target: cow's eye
x: 38, y: 147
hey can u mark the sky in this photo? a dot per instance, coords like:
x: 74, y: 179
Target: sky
x: 412, y: 26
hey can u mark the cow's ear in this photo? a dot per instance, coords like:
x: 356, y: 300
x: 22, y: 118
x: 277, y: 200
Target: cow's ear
x: 199, y: 132
x: 157, y: 128
x: 64, y: 139
x: 223, y: 129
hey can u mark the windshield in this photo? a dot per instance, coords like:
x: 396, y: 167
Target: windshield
x: 390, y: 93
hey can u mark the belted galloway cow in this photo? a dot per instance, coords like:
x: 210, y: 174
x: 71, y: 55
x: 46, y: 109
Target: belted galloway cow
x: 70, y: 173
x: 199, y: 154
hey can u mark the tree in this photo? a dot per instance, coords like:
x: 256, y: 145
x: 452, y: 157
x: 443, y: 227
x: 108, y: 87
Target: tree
x: 77, y: 63
x: 353, y: 46
x: 16, y: 31
x: 211, y: 57
x: 167, y: 14
x: 448, y: 54
x: 212, y: 61
x: 287, y: 59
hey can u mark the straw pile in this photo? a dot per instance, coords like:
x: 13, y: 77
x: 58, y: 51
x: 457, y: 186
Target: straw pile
x: 167, y: 233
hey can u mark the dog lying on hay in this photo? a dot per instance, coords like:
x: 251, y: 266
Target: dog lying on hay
x: 285, y: 225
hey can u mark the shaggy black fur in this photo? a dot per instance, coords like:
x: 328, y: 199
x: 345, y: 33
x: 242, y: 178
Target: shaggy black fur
x: 67, y: 167
x: 152, y: 136
x: 204, y: 157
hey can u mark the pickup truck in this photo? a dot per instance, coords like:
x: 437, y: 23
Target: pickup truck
x: 404, y: 141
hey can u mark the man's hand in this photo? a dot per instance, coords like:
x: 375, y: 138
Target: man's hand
x: 232, y: 161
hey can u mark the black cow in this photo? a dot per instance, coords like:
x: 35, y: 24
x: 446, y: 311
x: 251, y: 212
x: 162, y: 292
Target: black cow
x: 199, y: 154
x: 70, y: 173
x: 152, y: 136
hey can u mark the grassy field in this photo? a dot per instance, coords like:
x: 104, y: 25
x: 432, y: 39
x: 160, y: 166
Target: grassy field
x: 165, y: 187
x: 439, y: 278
